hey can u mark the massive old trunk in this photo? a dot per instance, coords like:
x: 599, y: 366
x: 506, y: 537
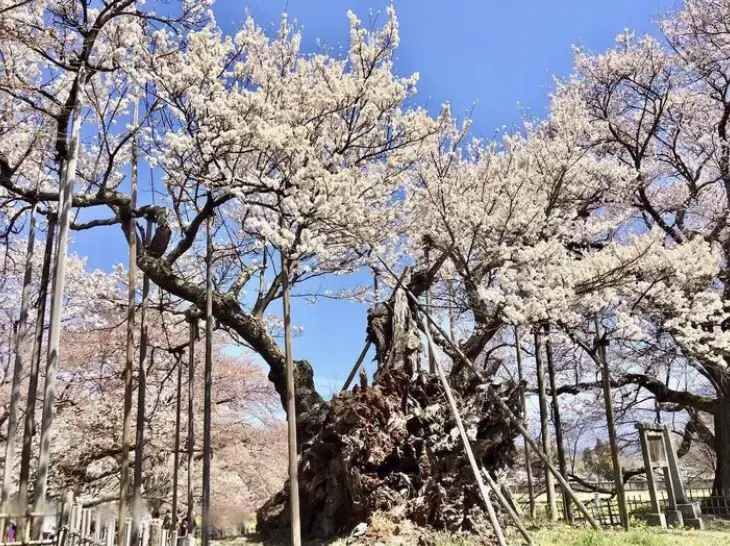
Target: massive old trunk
x: 394, y: 447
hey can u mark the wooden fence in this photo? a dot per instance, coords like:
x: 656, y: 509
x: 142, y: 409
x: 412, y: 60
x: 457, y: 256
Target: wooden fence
x: 75, y: 524
x: 606, y: 511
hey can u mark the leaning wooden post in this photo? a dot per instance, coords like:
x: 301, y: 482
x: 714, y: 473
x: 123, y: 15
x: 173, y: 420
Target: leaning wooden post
x: 18, y: 369
x: 467, y: 446
x: 600, y: 348
x: 431, y: 354
x: 507, y: 505
x: 68, y: 179
x: 296, y: 538
x: 208, y: 374
x: 129, y: 363
x: 176, y: 455
x: 35, y: 363
x: 544, y: 425
x: 567, y: 508
x: 356, y: 367
x: 528, y: 459
x: 192, y: 332
x: 503, y: 406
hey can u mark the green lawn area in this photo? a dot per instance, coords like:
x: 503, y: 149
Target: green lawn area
x: 562, y: 535
x: 718, y: 534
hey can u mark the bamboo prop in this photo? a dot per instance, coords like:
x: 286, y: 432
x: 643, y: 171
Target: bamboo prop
x: 208, y: 374
x: 508, y: 507
x: 467, y: 444
x: 59, y: 284
x: 296, y: 538
x: 528, y: 459
x: 505, y: 408
x: 18, y: 369
x: 611, y: 424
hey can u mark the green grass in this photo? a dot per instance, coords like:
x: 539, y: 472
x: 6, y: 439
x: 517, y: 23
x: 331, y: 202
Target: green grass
x: 546, y: 535
x: 562, y: 535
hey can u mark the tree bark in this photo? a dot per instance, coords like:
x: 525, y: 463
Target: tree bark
x: 20, y: 357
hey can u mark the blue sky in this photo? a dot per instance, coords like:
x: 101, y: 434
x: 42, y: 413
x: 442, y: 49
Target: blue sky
x: 501, y: 54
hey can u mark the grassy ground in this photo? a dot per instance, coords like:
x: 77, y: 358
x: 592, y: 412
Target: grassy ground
x: 718, y: 535
x: 388, y: 534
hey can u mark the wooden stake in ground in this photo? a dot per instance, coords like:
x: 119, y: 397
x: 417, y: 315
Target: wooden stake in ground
x: 141, y: 370
x: 600, y: 348
x: 19, y: 368
x: 176, y: 455
x: 208, y: 373
x: 193, y: 328
x: 507, y: 507
x: 567, y: 508
x: 514, y: 419
x: 129, y: 363
x: 35, y: 363
x: 545, y: 425
x: 467, y: 445
x: 431, y: 355
x: 65, y: 204
x: 528, y: 459
x: 291, y: 417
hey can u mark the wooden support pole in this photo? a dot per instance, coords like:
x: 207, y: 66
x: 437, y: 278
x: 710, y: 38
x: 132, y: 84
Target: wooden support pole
x: 65, y: 204
x: 431, y: 354
x: 192, y: 331
x: 467, y: 447
x: 19, y: 368
x: 176, y: 455
x: 208, y: 378
x: 503, y: 406
x: 528, y: 458
x: 141, y: 383
x: 356, y: 367
x: 507, y: 507
x: 611, y: 425
x: 296, y: 534
x: 545, y: 425
x: 567, y: 508
x: 35, y: 363
x: 123, y: 508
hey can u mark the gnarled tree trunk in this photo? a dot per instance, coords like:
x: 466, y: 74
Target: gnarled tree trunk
x: 394, y: 446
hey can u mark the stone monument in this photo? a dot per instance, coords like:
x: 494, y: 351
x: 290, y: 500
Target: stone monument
x: 658, y: 452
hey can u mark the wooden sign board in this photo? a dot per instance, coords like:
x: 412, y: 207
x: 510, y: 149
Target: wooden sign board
x: 656, y: 450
